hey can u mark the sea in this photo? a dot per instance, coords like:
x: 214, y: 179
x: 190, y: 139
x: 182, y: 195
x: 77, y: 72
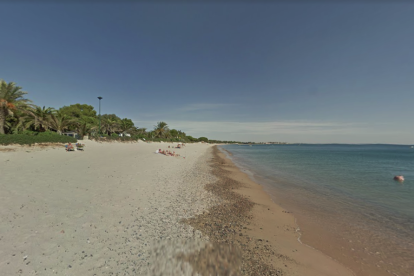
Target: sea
x: 344, y: 199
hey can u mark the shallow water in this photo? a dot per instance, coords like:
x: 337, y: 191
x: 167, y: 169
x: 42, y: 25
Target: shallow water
x: 343, y: 194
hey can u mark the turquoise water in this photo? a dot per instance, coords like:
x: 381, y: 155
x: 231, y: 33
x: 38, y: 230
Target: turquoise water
x: 347, y: 188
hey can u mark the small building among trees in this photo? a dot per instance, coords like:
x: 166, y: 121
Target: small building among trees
x: 73, y: 134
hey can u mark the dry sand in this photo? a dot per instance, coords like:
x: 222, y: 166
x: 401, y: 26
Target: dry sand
x: 119, y: 209
x: 113, y: 209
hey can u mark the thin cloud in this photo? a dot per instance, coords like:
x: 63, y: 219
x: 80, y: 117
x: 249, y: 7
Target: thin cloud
x: 290, y: 131
x: 205, y: 106
x: 262, y: 128
x: 189, y: 108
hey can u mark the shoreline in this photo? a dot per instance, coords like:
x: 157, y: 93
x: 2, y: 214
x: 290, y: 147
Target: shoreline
x: 124, y: 205
x: 365, y: 250
x: 261, y: 232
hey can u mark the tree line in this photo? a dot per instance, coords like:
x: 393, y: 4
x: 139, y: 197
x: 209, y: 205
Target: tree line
x: 18, y: 115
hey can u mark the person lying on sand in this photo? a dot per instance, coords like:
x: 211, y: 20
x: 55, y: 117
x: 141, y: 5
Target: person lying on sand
x: 167, y: 153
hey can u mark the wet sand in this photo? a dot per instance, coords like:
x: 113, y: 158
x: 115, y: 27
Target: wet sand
x: 367, y: 251
x: 248, y: 223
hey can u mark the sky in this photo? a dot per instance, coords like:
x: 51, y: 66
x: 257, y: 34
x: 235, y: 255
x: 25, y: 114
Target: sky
x: 292, y: 71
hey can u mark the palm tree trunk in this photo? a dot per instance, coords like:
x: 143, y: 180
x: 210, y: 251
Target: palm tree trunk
x: 2, y: 120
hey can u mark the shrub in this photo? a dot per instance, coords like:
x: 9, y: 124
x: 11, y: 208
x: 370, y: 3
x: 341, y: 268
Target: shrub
x: 29, y: 139
x: 47, y: 133
x: 29, y: 132
x: 203, y: 139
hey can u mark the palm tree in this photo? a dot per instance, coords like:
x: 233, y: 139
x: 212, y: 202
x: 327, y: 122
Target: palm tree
x: 142, y: 131
x: 126, y: 124
x: 11, y: 99
x: 167, y: 135
x: 19, y: 122
x: 41, y: 117
x: 59, y: 121
x: 85, y: 125
x: 110, y: 123
x: 160, y: 129
x: 16, y: 123
x: 151, y: 134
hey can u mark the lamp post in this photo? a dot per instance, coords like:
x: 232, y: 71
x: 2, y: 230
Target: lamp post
x: 100, y: 98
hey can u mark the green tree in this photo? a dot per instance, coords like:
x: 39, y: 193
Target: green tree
x: 151, y: 134
x: 160, y: 129
x: 191, y: 138
x: 174, y: 133
x: 17, y: 123
x: 41, y: 117
x: 79, y: 115
x: 140, y: 131
x: 110, y: 123
x: 203, y: 139
x: 11, y: 100
x: 181, y: 135
x: 59, y: 121
x: 126, y: 124
x: 85, y: 125
x: 167, y: 135
x: 79, y: 110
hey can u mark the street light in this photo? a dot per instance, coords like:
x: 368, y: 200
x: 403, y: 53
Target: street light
x: 100, y: 98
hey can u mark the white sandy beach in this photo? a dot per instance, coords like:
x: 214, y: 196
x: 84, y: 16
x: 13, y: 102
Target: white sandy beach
x: 117, y: 209
x: 109, y: 210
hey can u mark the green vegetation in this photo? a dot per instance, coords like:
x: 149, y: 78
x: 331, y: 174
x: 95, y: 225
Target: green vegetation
x: 21, y: 122
x: 30, y: 138
x: 11, y: 102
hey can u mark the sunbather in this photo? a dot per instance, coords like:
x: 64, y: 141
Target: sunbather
x: 69, y: 147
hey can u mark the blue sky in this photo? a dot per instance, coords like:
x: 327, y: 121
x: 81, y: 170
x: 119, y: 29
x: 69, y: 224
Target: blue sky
x: 301, y: 71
